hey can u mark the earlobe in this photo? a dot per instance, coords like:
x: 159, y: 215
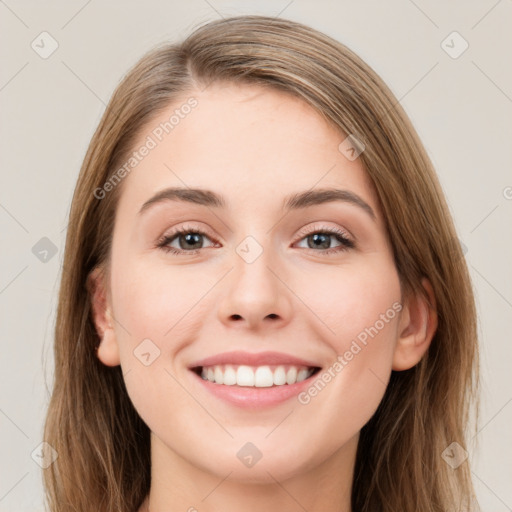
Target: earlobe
x: 108, y: 349
x: 417, y: 326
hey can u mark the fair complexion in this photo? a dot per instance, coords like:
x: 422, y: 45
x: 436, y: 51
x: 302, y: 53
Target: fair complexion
x: 255, y: 147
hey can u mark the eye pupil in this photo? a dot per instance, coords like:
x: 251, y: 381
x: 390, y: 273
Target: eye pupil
x: 190, y: 238
x: 323, y: 239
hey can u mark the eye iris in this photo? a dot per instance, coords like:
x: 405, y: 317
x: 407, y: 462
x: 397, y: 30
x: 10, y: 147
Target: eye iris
x: 323, y: 239
x: 190, y: 238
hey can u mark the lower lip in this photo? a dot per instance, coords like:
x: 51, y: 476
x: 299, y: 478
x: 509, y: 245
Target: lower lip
x: 253, y: 397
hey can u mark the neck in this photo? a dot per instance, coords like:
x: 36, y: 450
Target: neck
x: 177, y: 485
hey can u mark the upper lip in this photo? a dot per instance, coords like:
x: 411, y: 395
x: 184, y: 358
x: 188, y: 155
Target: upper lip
x: 253, y: 359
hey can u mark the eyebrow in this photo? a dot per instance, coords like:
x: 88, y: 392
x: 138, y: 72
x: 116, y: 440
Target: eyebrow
x: 295, y: 201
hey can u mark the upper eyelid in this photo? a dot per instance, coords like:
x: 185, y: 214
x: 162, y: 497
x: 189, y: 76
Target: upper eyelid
x: 333, y: 230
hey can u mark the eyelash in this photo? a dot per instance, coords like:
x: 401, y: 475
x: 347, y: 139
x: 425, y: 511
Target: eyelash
x: 341, y: 236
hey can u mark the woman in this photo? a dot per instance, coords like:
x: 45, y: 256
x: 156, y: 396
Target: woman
x: 263, y: 301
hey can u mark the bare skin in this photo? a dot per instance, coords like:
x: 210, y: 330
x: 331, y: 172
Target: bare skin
x: 255, y: 147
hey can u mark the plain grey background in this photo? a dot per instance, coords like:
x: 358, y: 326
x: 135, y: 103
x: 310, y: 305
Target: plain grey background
x: 459, y: 100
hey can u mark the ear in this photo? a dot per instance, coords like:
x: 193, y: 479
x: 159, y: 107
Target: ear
x: 417, y: 326
x: 108, y: 350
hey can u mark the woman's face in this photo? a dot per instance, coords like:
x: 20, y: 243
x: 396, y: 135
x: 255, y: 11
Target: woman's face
x: 269, y: 265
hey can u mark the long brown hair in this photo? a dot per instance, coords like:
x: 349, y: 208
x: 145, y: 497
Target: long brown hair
x: 103, y: 445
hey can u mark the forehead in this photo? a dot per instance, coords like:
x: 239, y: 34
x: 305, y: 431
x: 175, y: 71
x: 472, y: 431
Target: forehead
x: 252, y: 143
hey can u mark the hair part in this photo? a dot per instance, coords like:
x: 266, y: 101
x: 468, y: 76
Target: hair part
x: 103, y: 444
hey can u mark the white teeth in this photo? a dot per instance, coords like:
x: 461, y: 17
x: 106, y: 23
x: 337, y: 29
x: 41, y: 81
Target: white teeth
x: 291, y: 376
x: 219, y: 376
x: 302, y: 375
x: 260, y: 377
x: 229, y: 376
x: 279, y: 376
x: 263, y: 377
x: 245, y: 376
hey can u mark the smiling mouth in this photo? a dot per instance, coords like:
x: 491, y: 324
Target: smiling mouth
x: 255, y: 376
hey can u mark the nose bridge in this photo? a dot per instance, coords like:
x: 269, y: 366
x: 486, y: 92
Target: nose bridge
x: 252, y: 266
x: 255, y: 294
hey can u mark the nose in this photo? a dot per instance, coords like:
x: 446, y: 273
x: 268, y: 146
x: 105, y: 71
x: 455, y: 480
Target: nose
x: 256, y: 295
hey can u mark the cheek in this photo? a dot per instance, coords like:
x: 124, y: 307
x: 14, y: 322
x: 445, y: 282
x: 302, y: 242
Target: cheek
x: 157, y: 309
x: 361, y: 309
x: 157, y: 303
x: 349, y: 301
